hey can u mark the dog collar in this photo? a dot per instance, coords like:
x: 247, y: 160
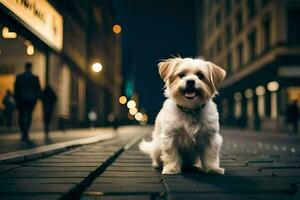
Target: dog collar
x: 191, y: 111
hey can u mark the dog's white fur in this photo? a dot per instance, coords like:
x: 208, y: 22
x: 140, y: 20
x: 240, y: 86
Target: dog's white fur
x: 180, y: 138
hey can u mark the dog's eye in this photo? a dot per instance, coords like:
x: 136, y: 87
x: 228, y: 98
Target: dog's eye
x: 181, y: 75
x: 200, y: 75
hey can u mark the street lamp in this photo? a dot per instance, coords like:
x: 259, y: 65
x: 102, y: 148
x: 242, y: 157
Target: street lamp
x: 7, y: 34
x: 117, y: 28
x: 30, y: 50
x: 122, y: 99
x: 97, y: 67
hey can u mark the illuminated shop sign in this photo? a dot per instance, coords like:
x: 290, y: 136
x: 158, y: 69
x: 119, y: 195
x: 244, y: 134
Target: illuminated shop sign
x: 41, y: 18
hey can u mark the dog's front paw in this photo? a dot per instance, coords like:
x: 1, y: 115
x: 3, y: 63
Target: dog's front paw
x: 198, y: 165
x: 169, y: 170
x: 215, y: 170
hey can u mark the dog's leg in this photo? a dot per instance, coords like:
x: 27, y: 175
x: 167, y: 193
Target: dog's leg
x: 198, y: 163
x: 156, y: 161
x: 209, y: 154
x: 170, y: 157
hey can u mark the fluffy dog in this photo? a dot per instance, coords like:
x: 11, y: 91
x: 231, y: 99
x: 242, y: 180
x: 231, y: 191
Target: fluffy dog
x: 186, y: 129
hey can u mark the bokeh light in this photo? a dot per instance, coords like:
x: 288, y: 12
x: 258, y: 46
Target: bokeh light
x: 30, y: 50
x: 96, y: 67
x: 249, y: 93
x: 131, y: 104
x: 133, y: 110
x: 273, y: 86
x: 122, y: 100
x: 138, y: 116
x: 260, y: 90
x: 117, y: 28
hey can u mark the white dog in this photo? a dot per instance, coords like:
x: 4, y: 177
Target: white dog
x: 186, y: 129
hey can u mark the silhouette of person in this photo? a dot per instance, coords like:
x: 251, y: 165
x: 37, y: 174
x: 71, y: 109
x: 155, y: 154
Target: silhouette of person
x: 113, y: 120
x: 9, y: 104
x: 48, y: 98
x: 27, y: 91
x: 293, y: 115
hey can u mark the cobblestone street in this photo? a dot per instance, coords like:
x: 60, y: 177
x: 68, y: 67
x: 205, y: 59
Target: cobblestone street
x: 263, y: 166
x: 83, y: 82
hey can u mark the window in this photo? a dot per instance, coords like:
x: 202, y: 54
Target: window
x: 237, y: 2
x: 237, y: 105
x: 219, y: 45
x: 293, y: 27
x: 218, y: 18
x: 252, y: 46
x: 208, y: 9
x: 228, y: 7
x: 229, y: 63
x: 251, y: 8
x: 261, y: 108
x: 267, y: 32
x: 15, y: 50
x: 64, y: 92
x: 216, y: 49
x: 239, y: 22
x: 228, y: 34
x: 265, y: 2
x: 240, y: 55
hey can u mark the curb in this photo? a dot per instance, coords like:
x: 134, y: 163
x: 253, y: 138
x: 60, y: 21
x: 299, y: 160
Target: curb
x: 47, y: 150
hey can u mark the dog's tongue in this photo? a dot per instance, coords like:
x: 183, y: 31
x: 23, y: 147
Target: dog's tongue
x: 190, y: 94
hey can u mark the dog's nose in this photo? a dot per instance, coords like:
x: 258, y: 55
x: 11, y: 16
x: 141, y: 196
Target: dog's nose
x: 190, y: 83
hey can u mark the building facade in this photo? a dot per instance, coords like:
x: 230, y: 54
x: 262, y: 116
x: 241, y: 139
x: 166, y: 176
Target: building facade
x: 62, y: 39
x: 257, y: 43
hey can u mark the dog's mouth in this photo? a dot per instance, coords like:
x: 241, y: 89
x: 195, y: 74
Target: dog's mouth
x: 190, y: 93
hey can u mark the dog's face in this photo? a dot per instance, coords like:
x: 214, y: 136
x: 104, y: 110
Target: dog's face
x: 190, y: 82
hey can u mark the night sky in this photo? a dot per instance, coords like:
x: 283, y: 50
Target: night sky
x: 153, y: 30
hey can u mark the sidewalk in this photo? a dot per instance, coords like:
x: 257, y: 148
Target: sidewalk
x: 11, y: 141
x: 67, y: 174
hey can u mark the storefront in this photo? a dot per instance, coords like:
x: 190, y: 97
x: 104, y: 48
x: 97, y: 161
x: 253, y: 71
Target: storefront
x: 261, y: 100
x: 61, y: 48
x: 31, y: 31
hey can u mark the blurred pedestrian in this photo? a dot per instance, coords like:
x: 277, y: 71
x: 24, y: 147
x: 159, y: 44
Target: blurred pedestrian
x: 92, y: 118
x: 293, y: 115
x: 113, y: 120
x: 9, y: 104
x: 48, y: 98
x: 27, y: 91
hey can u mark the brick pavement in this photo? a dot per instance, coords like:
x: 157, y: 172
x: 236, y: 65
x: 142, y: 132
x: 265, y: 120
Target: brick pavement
x: 257, y: 167
x: 63, y: 175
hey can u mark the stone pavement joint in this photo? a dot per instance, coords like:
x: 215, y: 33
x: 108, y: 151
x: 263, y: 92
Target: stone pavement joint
x: 77, y: 191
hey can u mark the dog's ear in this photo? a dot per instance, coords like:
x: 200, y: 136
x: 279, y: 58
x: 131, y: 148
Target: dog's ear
x: 166, y: 67
x: 217, y: 74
